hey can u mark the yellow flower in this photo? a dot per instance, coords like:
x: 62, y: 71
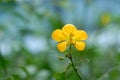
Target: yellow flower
x: 105, y: 19
x: 69, y: 35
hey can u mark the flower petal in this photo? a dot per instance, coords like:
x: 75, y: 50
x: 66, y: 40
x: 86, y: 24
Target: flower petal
x: 68, y: 28
x: 58, y: 35
x: 80, y: 35
x: 80, y: 45
x: 62, y: 46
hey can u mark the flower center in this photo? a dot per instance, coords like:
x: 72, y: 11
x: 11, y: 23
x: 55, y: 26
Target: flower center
x: 71, y: 38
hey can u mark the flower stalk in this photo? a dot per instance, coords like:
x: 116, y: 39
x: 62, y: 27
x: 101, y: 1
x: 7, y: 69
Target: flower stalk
x: 69, y: 56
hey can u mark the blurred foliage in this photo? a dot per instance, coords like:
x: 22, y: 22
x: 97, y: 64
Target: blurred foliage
x: 27, y: 51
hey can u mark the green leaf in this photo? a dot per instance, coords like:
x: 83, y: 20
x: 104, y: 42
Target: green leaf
x: 59, y: 76
x: 16, y: 77
x: 62, y: 76
x: 61, y: 58
x: 68, y: 67
x: 25, y: 70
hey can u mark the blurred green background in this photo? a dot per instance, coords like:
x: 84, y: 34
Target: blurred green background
x: 27, y: 51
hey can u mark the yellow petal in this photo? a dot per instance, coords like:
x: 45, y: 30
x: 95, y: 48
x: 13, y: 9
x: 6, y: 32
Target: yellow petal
x: 58, y: 35
x: 62, y: 46
x: 80, y: 46
x: 69, y: 28
x: 80, y: 35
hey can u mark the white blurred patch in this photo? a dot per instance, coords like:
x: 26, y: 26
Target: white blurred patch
x: 31, y: 69
x: 21, y: 73
x: 109, y: 37
x: 43, y: 75
x: 5, y: 47
x: 35, y: 44
x: 106, y: 39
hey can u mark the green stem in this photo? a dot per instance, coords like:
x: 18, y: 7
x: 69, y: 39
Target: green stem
x: 70, y: 58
